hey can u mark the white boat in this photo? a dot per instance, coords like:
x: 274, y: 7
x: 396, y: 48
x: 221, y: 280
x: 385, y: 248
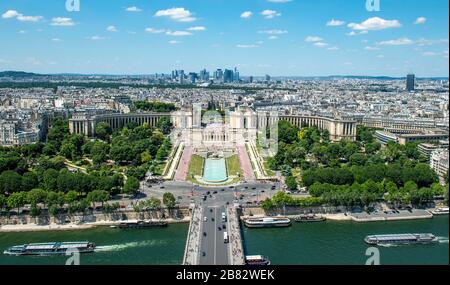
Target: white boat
x: 267, y: 222
x: 440, y: 211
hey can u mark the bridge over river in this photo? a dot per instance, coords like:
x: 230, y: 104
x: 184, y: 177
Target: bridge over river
x: 206, y: 244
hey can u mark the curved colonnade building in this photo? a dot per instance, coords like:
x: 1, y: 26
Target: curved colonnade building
x: 242, y: 118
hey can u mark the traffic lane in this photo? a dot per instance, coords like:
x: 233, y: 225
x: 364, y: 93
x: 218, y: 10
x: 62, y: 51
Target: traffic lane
x: 222, y: 247
x: 207, y: 245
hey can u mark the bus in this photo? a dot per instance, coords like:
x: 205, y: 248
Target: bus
x: 224, y: 217
x: 225, y: 237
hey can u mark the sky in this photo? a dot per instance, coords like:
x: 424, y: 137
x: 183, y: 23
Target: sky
x: 275, y: 37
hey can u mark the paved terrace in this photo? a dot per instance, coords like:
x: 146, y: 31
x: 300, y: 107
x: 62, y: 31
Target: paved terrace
x: 236, y: 249
x: 246, y: 165
x: 183, y: 166
x: 191, y: 252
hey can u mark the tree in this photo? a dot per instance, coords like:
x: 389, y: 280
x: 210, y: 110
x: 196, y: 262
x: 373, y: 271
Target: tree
x: 154, y: 203
x: 16, y: 200
x: 164, y: 125
x: 99, y: 152
x: 29, y: 181
x: 3, y: 200
x: 287, y: 132
x: 169, y: 200
x: 267, y: 204
x: 71, y: 197
x: 131, y: 186
x: 103, y: 131
x: 36, y: 196
x: 10, y: 182
x: 291, y: 183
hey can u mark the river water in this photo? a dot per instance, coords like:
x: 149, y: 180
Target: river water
x: 310, y: 243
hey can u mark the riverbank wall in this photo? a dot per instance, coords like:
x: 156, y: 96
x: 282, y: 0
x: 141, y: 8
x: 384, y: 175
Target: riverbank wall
x: 23, y: 223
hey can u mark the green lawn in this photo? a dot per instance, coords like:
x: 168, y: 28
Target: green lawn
x: 195, y: 167
x: 233, y: 166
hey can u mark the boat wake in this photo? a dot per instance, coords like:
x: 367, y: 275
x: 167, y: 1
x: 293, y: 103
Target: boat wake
x: 128, y: 245
x: 388, y: 245
x: 442, y: 239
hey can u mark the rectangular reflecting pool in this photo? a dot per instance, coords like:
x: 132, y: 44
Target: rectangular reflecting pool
x: 215, y: 170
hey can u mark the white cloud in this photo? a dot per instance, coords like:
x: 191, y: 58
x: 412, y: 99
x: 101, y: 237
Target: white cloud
x: 273, y: 32
x: 20, y: 17
x: 133, y: 9
x: 396, y: 42
x: 247, y: 46
x: 22, y: 32
x: 380, y: 56
x: 369, y: 48
x: 197, y: 29
x: 374, y: 24
x: 420, y: 21
x: 351, y: 34
x: 56, y: 40
x: 176, y: 14
x: 246, y: 15
x: 97, y: 38
x: 111, y: 29
x: 270, y: 14
x: 174, y: 42
x: 429, y: 42
x: 335, y: 23
x: 178, y: 33
x: 60, y: 21
x: 429, y: 53
x: 320, y: 44
x: 312, y: 39
x: 10, y: 14
x: 155, y: 31
x: 272, y: 37
x: 333, y: 48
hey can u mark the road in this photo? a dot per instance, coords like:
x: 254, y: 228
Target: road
x: 213, y: 245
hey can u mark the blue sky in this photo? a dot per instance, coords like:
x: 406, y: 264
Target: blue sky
x: 297, y: 37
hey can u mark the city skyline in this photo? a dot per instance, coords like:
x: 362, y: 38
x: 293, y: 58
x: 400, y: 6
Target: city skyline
x: 259, y: 37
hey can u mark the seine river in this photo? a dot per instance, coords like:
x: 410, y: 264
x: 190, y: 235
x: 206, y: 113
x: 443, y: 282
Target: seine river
x: 314, y: 243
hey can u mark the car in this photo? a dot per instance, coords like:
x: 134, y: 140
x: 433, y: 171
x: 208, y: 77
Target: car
x: 215, y: 192
x: 205, y: 219
x: 254, y: 194
x: 203, y: 253
x: 180, y: 198
x: 262, y: 191
x: 219, y: 228
x: 204, y: 234
x: 231, y: 187
x: 246, y: 187
x: 222, y: 189
x: 212, y: 219
x: 204, y: 198
x: 211, y: 210
x: 162, y: 187
x: 254, y: 188
x: 224, y: 226
x: 207, y: 193
x: 228, y: 203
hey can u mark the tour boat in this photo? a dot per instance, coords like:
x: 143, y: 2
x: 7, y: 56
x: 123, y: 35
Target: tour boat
x: 401, y: 239
x: 51, y: 248
x: 267, y: 222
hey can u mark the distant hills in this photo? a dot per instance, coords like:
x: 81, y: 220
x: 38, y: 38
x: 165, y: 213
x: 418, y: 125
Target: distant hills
x: 19, y: 74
